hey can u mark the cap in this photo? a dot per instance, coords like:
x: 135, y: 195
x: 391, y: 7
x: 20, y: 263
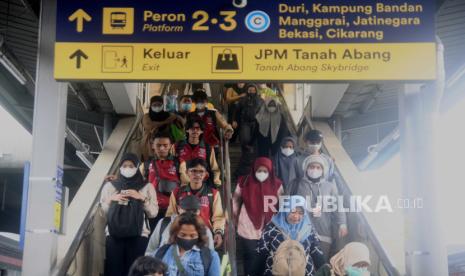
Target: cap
x: 190, y: 202
x: 200, y: 95
x: 314, y: 136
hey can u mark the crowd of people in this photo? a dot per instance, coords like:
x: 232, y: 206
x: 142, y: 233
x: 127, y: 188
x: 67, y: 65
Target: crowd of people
x: 164, y: 209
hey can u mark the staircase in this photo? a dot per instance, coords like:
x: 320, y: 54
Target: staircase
x: 234, y: 157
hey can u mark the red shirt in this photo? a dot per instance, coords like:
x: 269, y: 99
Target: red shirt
x: 187, y: 152
x: 205, y: 195
x: 166, y: 170
x: 210, y: 133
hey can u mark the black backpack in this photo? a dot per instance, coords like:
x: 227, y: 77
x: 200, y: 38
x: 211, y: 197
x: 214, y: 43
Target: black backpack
x: 125, y: 221
x: 205, y: 255
x: 164, y: 223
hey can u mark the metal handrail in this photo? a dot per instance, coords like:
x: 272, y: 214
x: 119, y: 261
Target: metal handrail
x: 62, y: 268
x: 379, y: 249
x: 225, y: 161
x: 231, y: 231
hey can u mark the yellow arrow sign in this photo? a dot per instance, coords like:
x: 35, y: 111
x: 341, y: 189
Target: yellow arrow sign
x: 79, y: 16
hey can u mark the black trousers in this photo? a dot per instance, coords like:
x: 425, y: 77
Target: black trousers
x: 247, y: 148
x: 247, y: 251
x: 120, y: 253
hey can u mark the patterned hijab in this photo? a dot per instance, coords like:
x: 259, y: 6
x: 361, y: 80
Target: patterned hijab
x: 303, y: 228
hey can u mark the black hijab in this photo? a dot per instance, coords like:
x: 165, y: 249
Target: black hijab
x: 239, y: 90
x: 136, y: 182
x: 157, y: 116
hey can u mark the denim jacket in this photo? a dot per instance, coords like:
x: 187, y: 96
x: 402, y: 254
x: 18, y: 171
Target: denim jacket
x: 191, y: 261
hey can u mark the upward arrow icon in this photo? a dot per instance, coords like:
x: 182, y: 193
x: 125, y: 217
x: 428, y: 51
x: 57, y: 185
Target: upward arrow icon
x: 79, y: 16
x: 78, y: 55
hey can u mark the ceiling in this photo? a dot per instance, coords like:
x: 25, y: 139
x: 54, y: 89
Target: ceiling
x: 367, y: 110
x: 87, y: 102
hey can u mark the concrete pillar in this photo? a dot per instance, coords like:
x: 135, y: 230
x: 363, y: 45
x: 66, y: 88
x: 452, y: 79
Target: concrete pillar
x: 47, y: 155
x: 425, y: 251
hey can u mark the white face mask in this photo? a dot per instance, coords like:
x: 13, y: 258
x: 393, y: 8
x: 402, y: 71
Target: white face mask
x: 287, y: 151
x: 272, y: 109
x: 314, y: 173
x: 200, y: 106
x: 157, y: 109
x: 314, y: 147
x: 261, y: 176
x: 128, y: 172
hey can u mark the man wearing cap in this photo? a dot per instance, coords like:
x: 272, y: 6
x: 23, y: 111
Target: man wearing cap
x: 211, y: 118
x: 314, y: 141
x: 211, y: 208
x: 161, y: 234
x: 315, y: 187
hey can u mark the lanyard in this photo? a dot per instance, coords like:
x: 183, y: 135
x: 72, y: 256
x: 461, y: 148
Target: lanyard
x: 181, y: 269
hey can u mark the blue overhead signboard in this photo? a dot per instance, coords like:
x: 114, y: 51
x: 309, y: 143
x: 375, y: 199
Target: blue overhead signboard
x: 163, y: 35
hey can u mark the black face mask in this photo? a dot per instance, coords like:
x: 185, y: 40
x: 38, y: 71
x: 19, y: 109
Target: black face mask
x: 186, y: 244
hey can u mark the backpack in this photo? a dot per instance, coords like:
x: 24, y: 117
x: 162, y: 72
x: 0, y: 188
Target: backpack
x: 125, y: 221
x: 164, y: 223
x: 162, y: 184
x: 289, y: 258
x: 205, y: 255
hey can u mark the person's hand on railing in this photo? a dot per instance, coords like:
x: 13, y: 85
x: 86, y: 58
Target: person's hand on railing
x: 316, y: 211
x: 110, y: 178
x: 228, y: 134
x: 343, y: 231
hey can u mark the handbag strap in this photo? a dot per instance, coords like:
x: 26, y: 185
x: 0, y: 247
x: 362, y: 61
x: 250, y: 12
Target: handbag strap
x: 181, y: 269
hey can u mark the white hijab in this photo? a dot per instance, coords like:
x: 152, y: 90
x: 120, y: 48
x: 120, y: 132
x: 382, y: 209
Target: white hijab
x: 351, y: 254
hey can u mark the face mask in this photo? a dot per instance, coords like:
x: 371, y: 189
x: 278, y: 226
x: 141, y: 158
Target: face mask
x: 128, y: 172
x: 357, y: 271
x: 287, y: 151
x: 186, y: 244
x: 314, y: 147
x: 315, y: 174
x: 157, y: 109
x: 261, y: 176
x: 200, y: 106
x: 272, y: 109
x: 186, y: 107
x: 171, y: 107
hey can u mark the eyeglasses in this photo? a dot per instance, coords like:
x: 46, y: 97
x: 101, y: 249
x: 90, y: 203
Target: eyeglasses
x: 195, y: 128
x: 197, y: 172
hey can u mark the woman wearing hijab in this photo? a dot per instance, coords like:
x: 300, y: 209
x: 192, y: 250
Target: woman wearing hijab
x: 291, y: 225
x: 315, y: 186
x: 352, y: 260
x: 272, y: 127
x: 286, y: 162
x: 252, y: 209
x: 126, y: 202
x: 156, y: 120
